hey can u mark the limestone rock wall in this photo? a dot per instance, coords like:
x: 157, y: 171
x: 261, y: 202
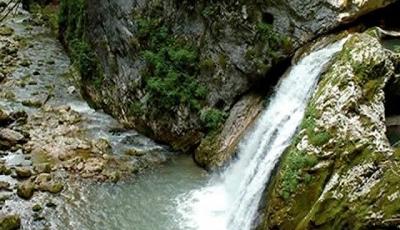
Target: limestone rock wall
x: 214, y: 53
x: 341, y: 172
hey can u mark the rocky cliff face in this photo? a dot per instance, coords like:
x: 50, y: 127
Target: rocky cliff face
x: 172, y: 70
x: 175, y: 70
x: 340, y: 171
x: 305, y: 20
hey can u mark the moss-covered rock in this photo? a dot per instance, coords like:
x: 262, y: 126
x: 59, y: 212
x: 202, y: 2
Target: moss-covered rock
x: 6, y: 31
x: 218, y: 147
x: 23, y: 172
x: 339, y: 172
x: 25, y: 190
x: 10, y: 222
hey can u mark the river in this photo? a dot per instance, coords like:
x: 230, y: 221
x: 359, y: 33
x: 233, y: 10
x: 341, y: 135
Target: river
x: 174, y: 193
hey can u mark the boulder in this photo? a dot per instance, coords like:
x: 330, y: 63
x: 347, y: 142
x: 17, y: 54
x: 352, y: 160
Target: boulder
x: 218, y: 148
x: 35, y: 103
x: 37, y: 208
x: 134, y: 152
x: 45, y: 183
x: 4, y: 169
x: 5, y: 186
x: 10, y: 222
x: 19, y: 116
x: 25, y: 190
x: 10, y: 138
x: 6, y: 31
x: 5, y: 117
x: 42, y: 168
x: 102, y: 146
x: 23, y: 172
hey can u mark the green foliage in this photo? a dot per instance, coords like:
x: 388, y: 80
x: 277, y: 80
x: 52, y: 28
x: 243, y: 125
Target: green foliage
x: 86, y: 61
x: 293, y: 173
x: 171, y: 70
x: 268, y: 35
x: 135, y: 108
x: 316, y: 138
x: 267, y: 48
x: 210, y: 11
x: 72, y: 19
x: 371, y: 88
x: 212, y: 118
x: 49, y: 14
x: 319, y: 139
x: 207, y: 65
x: 72, y: 22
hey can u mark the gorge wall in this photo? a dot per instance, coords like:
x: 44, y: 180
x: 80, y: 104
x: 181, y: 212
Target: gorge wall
x: 177, y: 71
x: 194, y: 74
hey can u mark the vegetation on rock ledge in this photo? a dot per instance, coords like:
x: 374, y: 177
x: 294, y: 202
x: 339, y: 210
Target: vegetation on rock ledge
x: 170, y: 74
x: 72, y: 22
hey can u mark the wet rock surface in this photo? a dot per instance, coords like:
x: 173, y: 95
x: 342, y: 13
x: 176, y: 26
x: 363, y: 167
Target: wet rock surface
x: 217, y: 149
x: 340, y: 171
x: 49, y: 136
x: 235, y: 41
x: 10, y: 222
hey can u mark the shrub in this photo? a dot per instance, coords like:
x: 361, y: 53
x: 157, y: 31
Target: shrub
x: 212, y: 118
x: 267, y: 34
x: 171, y: 70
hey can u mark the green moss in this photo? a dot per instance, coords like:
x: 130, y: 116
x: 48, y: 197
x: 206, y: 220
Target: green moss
x: 294, y: 171
x: 136, y: 109
x: 371, y: 88
x: 207, y: 65
x: 212, y: 118
x: 319, y: 139
x: 267, y: 34
x: 49, y: 14
x: 6, y: 31
x: 223, y: 61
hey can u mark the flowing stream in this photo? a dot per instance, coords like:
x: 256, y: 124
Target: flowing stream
x: 176, y: 195
x: 230, y: 200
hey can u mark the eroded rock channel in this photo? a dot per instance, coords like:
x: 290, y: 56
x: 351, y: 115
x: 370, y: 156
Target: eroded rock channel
x: 291, y: 106
x: 50, y: 139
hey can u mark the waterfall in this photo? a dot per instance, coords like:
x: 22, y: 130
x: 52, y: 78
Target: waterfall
x: 230, y: 200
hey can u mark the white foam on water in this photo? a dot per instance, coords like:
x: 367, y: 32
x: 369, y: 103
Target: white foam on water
x: 231, y: 198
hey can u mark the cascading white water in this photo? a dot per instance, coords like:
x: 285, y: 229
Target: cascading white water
x: 230, y: 200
